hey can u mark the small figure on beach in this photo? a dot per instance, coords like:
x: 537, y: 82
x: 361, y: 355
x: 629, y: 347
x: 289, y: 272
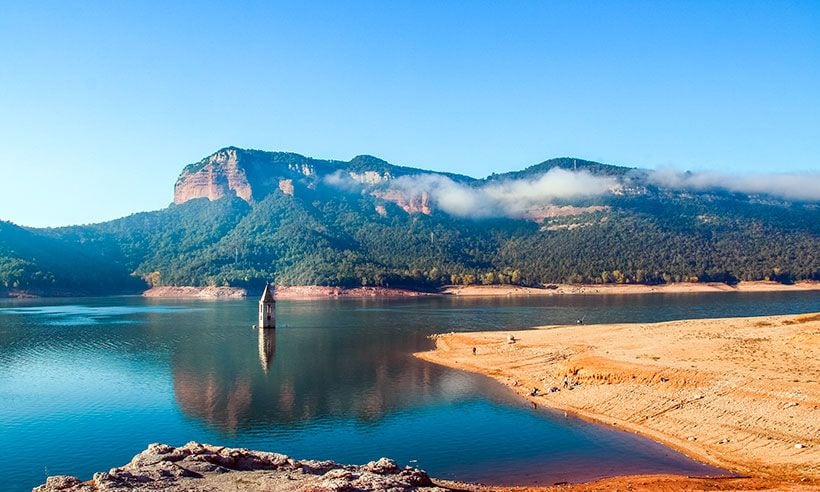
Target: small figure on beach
x: 473, y: 350
x: 534, y: 392
x: 566, y: 381
x: 511, y: 339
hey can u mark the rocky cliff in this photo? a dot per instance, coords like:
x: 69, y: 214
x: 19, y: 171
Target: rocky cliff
x: 201, y: 467
x: 213, y: 178
x: 251, y: 175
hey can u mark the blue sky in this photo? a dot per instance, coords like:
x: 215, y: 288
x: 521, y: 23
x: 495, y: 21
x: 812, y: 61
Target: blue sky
x: 101, y: 104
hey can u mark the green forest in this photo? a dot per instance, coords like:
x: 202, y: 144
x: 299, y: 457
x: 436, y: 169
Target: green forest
x: 326, y: 236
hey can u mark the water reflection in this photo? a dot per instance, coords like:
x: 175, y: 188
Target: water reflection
x: 306, y: 376
x: 86, y: 383
x: 267, y: 347
x: 353, y: 360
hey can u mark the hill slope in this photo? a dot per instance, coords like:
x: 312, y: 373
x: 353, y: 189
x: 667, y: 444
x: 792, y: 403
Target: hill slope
x: 40, y: 262
x: 241, y: 217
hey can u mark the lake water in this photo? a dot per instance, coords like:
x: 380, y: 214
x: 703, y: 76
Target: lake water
x: 87, y: 383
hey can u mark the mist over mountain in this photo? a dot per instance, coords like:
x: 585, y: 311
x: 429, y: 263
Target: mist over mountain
x: 240, y: 217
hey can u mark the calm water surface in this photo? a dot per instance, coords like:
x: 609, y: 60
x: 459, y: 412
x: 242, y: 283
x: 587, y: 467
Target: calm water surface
x: 87, y: 383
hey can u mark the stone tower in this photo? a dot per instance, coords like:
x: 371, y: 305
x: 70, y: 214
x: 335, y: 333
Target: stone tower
x: 267, y: 308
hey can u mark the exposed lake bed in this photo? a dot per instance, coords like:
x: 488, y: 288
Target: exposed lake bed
x: 92, y: 381
x: 738, y: 392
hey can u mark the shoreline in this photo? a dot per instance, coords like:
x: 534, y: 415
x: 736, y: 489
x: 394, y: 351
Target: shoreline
x: 284, y: 292
x: 625, y: 289
x: 673, y: 382
x: 321, y: 292
x: 197, y: 467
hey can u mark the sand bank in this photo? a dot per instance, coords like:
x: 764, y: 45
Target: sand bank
x: 623, y: 289
x: 286, y: 292
x: 740, y: 393
x: 319, y: 292
x: 196, y: 292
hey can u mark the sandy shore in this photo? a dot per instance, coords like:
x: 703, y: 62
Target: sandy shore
x: 623, y: 289
x: 282, y: 292
x: 172, y: 292
x: 319, y: 292
x: 740, y: 393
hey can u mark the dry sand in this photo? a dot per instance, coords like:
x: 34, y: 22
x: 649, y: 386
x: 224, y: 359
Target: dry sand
x: 319, y: 292
x: 619, y: 289
x: 316, y: 291
x: 187, y: 292
x: 282, y: 292
x: 740, y: 393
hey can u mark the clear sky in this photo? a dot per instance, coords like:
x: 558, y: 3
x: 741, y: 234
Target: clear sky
x: 102, y: 103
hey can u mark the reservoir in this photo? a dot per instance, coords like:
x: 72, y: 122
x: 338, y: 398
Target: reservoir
x: 86, y: 383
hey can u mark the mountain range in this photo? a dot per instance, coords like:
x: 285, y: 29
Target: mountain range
x: 242, y: 217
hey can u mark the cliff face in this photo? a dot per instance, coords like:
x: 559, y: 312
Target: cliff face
x: 218, y: 176
x: 412, y: 204
x: 250, y: 175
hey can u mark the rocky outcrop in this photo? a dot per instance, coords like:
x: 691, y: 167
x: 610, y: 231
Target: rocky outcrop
x: 188, y: 292
x: 202, y: 467
x: 213, y: 178
x: 412, y: 204
x: 286, y: 186
x: 370, y: 177
x: 539, y: 213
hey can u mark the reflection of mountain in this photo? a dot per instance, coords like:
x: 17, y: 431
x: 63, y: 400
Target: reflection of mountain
x: 333, y: 372
x: 267, y: 347
x: 209, y: 399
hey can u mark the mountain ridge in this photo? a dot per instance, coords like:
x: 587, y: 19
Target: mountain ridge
x: 299, y: 165
x: 241, y: 217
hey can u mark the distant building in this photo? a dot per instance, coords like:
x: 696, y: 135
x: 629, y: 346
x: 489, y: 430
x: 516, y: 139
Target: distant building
x: 267, y: 308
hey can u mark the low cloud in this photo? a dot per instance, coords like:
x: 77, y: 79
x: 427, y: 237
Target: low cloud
x: 517, y: 197
x: 790, y: 186
x: 342, y: 180
x: 507, y: 198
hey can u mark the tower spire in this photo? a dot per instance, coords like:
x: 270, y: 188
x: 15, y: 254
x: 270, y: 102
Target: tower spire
x: 267, y: 308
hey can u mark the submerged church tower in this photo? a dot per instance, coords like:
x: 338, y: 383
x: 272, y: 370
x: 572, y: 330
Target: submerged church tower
x: 267, y: 308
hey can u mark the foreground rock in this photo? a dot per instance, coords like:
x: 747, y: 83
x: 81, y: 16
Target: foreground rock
x: 202, y: 467
x: 741, y: 393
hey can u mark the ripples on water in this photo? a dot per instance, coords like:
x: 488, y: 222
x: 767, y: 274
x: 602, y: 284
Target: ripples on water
x: 87, y: 383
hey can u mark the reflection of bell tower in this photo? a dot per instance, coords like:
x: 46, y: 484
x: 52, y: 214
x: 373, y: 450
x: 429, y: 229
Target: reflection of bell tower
x: 267, y: 348
x: 267, y: 308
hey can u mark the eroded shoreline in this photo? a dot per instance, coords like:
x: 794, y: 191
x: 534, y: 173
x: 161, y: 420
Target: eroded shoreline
x: 321, y: 292
x: 739, y: 393
x: 197, y: 467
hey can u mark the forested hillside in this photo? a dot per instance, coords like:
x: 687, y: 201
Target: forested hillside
x: 39, y: 262
x: 243, y: 217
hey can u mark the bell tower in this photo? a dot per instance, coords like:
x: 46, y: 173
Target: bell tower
x: 267, y: 308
